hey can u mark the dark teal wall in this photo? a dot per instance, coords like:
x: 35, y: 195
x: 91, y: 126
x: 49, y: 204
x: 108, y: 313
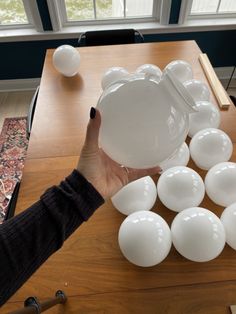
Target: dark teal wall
x: 25, y: 59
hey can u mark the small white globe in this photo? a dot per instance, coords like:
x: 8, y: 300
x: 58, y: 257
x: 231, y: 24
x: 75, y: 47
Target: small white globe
x: 136, y: 196
x: 198, y: 90
x: 66, y: 60
x: 228, y: 218
x: 144, y: 238
x: 112, y: 75
x: 220, y: 183
x: 209, y: 147
x: 207, y: 116
x: 180, y: 158
x: 198, y: 234
x: 181, y: 69
x: 150, y: 69
x: 179, y: 188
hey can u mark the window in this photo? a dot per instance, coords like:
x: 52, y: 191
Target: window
x: 74, y: 11
x: 213, y: 7
x: 12, y: 12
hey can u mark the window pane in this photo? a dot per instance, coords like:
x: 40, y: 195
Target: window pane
x: 105, y: 9
x: 139, y: 8
x: 79, y: 10
x: 204, y: 6
x: 227, y: 6
x: 12, y: 12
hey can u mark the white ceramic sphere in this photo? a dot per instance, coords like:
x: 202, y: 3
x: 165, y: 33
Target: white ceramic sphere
x: 228, y: 218
x: 198, y: 234
x: 150, y: 69
x: 198, y: 90
x: 66, y: 60
x: 136, y: 196
x: 207, y: 116
x: 179, y: 188
x: 112, y: 75
x: 220, y: 183
x: 181, y: 69
x: 144, y: 238
x: 180, y: 158
x: 209, y: 147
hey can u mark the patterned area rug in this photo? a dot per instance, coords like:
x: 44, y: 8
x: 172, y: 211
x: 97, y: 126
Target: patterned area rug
x: 13, y: 148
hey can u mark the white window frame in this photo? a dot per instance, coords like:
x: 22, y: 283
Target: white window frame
x: 33, y: 16
x: 185, y: 13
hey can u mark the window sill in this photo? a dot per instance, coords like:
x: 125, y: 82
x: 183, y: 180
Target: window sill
x: 194, y: 25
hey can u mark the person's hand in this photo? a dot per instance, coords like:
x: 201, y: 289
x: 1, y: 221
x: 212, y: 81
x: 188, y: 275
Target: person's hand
x: 106, y: 175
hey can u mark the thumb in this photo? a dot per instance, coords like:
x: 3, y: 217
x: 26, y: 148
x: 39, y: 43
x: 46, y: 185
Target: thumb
x: 91, y: 140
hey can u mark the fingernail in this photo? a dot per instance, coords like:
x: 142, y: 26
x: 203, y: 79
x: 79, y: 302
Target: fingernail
x: 92, y: 113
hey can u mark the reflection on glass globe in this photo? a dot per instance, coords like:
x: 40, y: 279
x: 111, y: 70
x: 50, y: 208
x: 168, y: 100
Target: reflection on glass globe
x: 66, y: 60
x: 208, y: 116
x: 198, y: 234
x: 181, y: 69
x: 144, y: 238
x: 198, y: 90
x: 180, y: 158
x: 228, y: 218
x: 112, y: 75
x: 136, y: 196
x: 209, y: 147
x: 179, y: 188
x: 220, y: 183
x: 150, y: 69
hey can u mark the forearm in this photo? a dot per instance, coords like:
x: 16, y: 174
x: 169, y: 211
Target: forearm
x: 27, y: 240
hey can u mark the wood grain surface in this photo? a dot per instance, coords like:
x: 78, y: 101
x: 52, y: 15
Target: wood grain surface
x: 90, y: 267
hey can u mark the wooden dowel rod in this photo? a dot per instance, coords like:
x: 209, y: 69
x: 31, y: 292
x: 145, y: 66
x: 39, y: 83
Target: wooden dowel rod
x: 217, y: 88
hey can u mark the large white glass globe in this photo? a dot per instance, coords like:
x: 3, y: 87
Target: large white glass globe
x: 180, y: 187
x: 198, y: 90
x: 207, y: 116
x: 66, y: 60
x: 150, y: 69
x: 181, y: 69
x: 136, y: 196
x: 198, y: 234
x: 144, y: 238
x: 228, y: 218
x: 209, y: 147
x: 220, y: 183
x: 112, y: 75
x: 180, y: 158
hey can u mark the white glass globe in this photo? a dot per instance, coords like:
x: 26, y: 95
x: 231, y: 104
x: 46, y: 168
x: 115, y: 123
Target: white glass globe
x: 228, y: 218
x: 136, y: 196
x: 209, y: 147
x: 66, y: 60
x: 180, y: 158
x: 144, y: 238
x: 208, y: 116
x: 198, y: 90
x: 150, y: 69
x: 220, y: 183
x: 198, y: 234
x: 181, y: 69
x: 112, y: 75
x: 179, y: 188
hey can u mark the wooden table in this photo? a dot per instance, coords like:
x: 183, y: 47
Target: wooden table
x: 90, y: 267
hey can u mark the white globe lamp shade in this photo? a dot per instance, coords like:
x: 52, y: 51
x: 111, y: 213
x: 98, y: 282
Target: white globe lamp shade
x: 209, y: 147
x: 144, y: 238
x: 112, y: 75
x: 181, y: 69
x: 228, y: 219
x: 198, y: 234
x: 179, y: 188
x: 150, y: 69
x: 180, y: 158
x: 136, y: 196
x: 207, y: 116
x: 198, y: 90
x: 66, y: 60
x: 220, y: 182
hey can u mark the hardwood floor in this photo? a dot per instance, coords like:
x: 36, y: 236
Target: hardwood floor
x: 14, y: 104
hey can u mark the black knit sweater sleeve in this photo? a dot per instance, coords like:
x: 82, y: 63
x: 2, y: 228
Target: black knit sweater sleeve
x: 28, y: 239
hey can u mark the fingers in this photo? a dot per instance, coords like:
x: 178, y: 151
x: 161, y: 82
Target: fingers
x: 91, y: 140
